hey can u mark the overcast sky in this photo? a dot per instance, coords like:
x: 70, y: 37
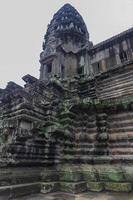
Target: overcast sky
x: 23, y: 24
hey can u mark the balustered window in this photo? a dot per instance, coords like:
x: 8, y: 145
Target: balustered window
x: 62, y: 71
x: 123, y: 56
x: 49, y: 68
x: 96, y: 68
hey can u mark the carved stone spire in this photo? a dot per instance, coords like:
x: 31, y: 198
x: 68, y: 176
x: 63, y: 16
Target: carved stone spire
x: 67, y: 32
x: 66, y: 24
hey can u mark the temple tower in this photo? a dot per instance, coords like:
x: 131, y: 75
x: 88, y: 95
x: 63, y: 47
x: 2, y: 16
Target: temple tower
x: 65, y: 46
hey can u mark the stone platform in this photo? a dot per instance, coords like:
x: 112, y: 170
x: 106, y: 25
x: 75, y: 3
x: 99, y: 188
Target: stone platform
x: 85, y: 196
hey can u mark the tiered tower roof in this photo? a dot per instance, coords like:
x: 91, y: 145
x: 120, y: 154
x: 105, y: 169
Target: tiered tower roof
x: 67, y: 22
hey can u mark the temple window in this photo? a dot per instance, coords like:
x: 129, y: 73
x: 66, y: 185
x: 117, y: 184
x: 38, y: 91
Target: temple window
x: 110, y: 62
x: 49, y: 68
x: 80, y: 70
x: 81, y: 65
x: 123, y: 56
x: 62, y: 71
x: 131, y: 42
x: 96, y: 68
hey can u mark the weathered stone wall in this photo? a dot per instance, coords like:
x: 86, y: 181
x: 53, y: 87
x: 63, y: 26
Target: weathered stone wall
x: 112, y: 52
x: 70, y: 131
x: 64, y: 126
x: 116, y: 83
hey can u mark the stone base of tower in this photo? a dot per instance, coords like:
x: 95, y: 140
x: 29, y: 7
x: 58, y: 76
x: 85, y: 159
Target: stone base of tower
x: 68, y: 179
x: 83, y: 196
x: 75, y: 179
x: 16, y: 182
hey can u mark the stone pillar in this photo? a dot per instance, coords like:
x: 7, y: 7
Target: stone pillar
x: 101, y: 145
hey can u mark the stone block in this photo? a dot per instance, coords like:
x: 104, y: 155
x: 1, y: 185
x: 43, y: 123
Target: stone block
x: 4, y: 193
x: 89, y: 173
x: 110, y: 173
x: 102, y: 159
x: 26, y: 189
x: 72, y: 176
x: 49, y: 176
x: 118, y: 187
x: 95, y: 186
x: 128, y: 172
x: 73, y: 187
x: 49, y: 187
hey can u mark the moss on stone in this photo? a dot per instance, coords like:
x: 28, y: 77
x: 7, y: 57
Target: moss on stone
x: 73, y: 187
x: 95, y: 186
x: 70, y: 176
x: 112, y: 174
x: 67, y: 187
x: 128, y: 172
x: 118, y: 187
x: 89, y: 175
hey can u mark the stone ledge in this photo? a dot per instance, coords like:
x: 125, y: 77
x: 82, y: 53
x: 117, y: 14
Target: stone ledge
x: 83, y: 196
x: 20, y: 190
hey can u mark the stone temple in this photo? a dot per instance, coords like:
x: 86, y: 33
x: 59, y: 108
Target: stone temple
x: 71, y: 130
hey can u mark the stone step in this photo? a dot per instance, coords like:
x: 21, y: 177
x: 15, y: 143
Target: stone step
x: 116, y: 81
x: 114, y: 87
x: 116, y: 93
x: 119, y: 137
x: 13, y: 191
x: 116, y: 76
x: 121, y: 151
x: 87, y: 158
x: 35, y: 158
x: 80, y: 128
x: 120, y: 144
x: 73, y: 188
x: 120, y: 130
x: 78, y: 123
x: 97, y: 159
x: 80, y: 152
x: 120, y: 124
x: 122, y: 159
x: 120, y: 117
x: 94, y: 195
x: 79, y: 144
